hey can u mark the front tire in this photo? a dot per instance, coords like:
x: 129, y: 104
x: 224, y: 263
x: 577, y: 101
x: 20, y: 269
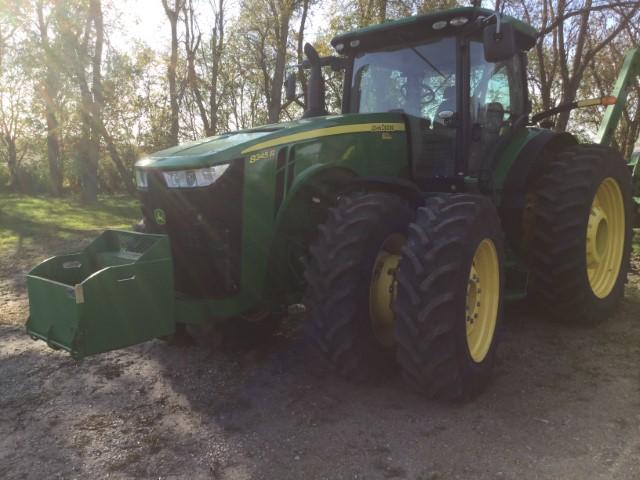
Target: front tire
x: 351, y: 283
x: 449, y: 301
x: 581, y: 233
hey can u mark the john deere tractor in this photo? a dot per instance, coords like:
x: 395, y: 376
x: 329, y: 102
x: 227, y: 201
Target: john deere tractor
x: 398, y: 227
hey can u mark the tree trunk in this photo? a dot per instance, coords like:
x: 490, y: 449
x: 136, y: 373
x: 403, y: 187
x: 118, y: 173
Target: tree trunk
x: 88, y: 155
x: 568, y: 95
x: 571, y: 79
x: 49, y: 93
x: 300, y: 51
x: 124, y: 173
x: 192, y: 43
x: 173, y: 15
x: 282, y: 34
x: 92, y: 102
x: 53, y: 153
x: 12, y: 163
x: 217, y: 45
x: 173, y: 94
x: 381, y: 11
x: 93, y: 129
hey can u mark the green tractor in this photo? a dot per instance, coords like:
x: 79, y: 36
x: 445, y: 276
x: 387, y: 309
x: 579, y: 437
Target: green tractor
x: 398, y: 227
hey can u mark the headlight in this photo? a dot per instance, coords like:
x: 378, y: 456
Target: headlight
x: 141, y: 179
x: 200, y: 177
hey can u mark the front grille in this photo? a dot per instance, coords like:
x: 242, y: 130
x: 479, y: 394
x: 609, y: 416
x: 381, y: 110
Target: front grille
x: 205, y: 229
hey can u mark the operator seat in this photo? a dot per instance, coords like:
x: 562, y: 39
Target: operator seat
x: 488, y: 130
x: 493, y: 122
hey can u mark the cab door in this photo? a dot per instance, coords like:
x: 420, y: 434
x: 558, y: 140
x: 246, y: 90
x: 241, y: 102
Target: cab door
x: 496, y: 100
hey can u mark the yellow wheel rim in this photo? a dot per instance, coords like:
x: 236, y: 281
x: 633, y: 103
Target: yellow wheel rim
x: 483, y: 298
x: 382, y: 289
x: 605, y: 238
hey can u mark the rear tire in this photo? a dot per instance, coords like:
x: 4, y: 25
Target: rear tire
x: 441, y: 353
x: 339, y: 278
x: 567, y: 234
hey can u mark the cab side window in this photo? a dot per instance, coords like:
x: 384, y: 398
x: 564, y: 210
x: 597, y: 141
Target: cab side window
x: 498, y: 91
x: 496, y: 99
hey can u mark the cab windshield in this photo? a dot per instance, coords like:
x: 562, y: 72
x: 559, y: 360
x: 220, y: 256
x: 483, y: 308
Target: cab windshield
x: 418, y: 80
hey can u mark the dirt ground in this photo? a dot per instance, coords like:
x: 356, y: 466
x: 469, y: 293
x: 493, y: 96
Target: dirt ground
x: 564, y: 404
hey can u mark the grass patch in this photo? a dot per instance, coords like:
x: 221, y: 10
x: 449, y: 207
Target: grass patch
x: 28, y: 221
x: 635, y: 245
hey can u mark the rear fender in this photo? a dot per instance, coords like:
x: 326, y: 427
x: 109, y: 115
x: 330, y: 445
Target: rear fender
x: 527, y: 165
x: 525, y: 169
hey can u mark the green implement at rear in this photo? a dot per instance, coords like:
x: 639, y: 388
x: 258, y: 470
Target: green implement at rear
x: 626, y: 78
x: 628, y: 74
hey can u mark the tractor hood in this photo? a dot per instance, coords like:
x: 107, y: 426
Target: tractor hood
x: 229, y: 146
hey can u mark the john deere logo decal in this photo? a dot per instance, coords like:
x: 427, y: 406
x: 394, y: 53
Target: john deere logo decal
x: 160, y: 216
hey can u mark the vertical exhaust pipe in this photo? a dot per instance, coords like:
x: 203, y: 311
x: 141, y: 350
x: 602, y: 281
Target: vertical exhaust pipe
x: 315, y: 88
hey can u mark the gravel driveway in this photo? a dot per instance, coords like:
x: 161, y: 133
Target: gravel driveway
x: 564, y: 404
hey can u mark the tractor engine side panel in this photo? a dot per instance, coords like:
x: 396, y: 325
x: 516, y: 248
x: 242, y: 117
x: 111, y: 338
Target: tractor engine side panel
x: 306, y: 177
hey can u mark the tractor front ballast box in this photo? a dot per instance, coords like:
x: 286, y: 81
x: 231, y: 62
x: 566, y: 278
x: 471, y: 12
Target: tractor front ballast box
x: 117, y: 292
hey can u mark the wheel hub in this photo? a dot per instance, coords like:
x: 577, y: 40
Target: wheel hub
x: 597, y: 236
x: 605, y: 238
x: 474, y: 290
x: 482, y: 301
x: 382, y: 290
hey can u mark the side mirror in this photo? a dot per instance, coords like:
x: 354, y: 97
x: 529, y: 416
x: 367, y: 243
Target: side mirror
x: 290, y: 87
x: 499, y: 42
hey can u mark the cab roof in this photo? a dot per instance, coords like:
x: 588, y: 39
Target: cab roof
x: 420, y: 27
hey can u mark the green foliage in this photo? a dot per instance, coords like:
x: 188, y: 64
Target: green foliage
x: 32, y: 175
x: 27, y: 220
x: 248, y: 46
x: 135, y: 99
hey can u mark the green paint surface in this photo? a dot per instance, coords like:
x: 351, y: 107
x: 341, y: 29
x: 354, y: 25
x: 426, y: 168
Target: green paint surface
x: 429, y: 18
x: 116, y: 292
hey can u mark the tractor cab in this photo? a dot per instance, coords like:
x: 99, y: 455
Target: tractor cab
x: 459, y: 77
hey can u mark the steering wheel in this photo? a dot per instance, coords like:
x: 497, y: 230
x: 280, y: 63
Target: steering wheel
x: 427, y: 96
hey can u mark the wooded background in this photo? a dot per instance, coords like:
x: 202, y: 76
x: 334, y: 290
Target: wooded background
x: 77, y: 108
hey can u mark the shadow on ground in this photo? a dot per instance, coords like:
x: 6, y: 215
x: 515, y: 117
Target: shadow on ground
x: 564, y: 403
